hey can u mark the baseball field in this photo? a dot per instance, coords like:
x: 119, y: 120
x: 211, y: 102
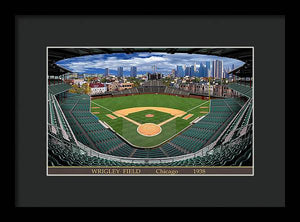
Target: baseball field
x: 148, y: 120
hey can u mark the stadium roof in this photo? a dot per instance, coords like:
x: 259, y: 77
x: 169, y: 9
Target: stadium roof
x: 56, y: 54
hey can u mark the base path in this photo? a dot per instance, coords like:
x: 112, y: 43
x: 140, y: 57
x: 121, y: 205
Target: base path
x: 125, y: 112
x: 168, y: 120
x: 174, y: 112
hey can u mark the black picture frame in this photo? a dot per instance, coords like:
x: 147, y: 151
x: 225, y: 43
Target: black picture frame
x: 34, y: 31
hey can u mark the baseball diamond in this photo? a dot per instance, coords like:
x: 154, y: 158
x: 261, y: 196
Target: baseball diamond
x: 133, y: 124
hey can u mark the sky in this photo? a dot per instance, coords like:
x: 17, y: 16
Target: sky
x: 143, y: 61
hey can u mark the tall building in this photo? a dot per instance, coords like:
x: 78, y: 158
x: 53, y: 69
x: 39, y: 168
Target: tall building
x: 207, y: 68
x: 188, y: 71
x: 217, y: 69
x: 192, y: 70
x: 106, y: 71
x: 221, y: 68
x: 202, y: 70
x: 180, y: 72
x: 120, y: 71
x: 133, y: 71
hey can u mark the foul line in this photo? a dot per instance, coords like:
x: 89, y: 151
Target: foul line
x: 130, y: 120
x: 102, y: 106
x: 197, y: 106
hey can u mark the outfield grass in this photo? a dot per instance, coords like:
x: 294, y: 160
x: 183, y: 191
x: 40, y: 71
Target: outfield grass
x: 129, y: 130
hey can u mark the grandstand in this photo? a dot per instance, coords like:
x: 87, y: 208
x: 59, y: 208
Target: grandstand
x: 156, y: 86
x: 58, y: 122
x: 59, y: 88
x: 245, y: 90
x: 76, y: 137
x: 90, y: 132
x: 153, y: 86
x: 236, y: 153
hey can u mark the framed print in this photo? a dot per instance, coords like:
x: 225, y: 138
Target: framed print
x: 150, y: 111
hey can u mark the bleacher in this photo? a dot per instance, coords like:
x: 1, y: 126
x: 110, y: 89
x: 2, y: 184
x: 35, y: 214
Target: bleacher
x: 239, y: 122
x: 245, y: 90
x: 91, y: 133
x: 210, y: 127
x: 176, y: 91
x: 62, y: 122
x: 153, y: 86
x: 235, y: 153
x: 171, y: 150
x: 155, y: 153
x: 87, y: 127
x: 58, y: 88
x: 153, y: 82
x: 123, y: 150
x: 57, y: 121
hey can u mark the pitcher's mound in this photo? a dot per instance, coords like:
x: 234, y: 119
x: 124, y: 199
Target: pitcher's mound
x: 149, y: 129
x: 149, y: 115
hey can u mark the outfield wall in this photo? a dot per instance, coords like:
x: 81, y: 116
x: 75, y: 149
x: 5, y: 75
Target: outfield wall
x: 130, y: 94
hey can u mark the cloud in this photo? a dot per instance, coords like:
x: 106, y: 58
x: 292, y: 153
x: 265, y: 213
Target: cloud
x: 143, y: 61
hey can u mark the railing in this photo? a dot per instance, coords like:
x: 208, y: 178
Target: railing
x: 242, y: 138
x: 243, y: 109
x: 65, y: 120
x: 90, y: 152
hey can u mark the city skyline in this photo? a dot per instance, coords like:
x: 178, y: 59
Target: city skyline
x: 144, y: 62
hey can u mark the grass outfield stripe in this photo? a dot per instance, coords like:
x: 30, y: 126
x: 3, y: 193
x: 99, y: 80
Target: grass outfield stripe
x: 118, y: 103
x: 197, y: 106
x: 101, y: 106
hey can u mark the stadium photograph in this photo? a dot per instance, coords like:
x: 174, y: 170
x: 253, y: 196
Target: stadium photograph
x: 137, y: 111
